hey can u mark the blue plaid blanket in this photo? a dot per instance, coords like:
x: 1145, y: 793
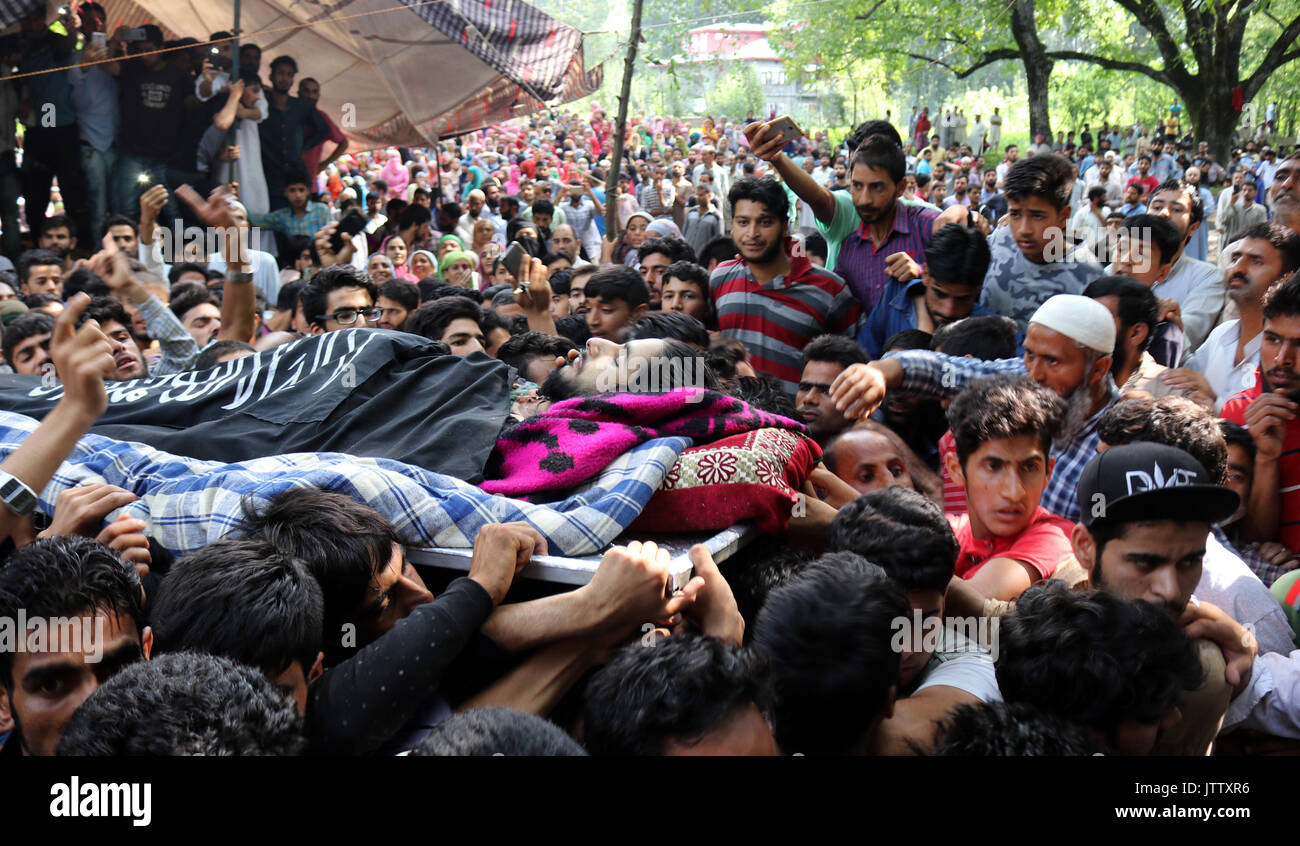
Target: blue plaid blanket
x: 189, y: 503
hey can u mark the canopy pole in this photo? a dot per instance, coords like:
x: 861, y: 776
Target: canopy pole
x: 620, y: 128
x: 234, y: 74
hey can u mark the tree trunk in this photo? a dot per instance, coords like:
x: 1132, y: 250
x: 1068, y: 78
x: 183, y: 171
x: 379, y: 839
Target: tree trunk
x: 1038, y: 67
x: 1212, y: 117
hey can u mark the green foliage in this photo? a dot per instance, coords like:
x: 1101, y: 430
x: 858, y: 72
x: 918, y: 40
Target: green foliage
x: 736, y: 93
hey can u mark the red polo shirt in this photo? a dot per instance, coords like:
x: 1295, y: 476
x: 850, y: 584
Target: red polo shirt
x: 1288, y: 470
x: 1043, y: 545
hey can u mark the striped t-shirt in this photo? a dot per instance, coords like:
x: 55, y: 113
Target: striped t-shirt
x: 777, y: 320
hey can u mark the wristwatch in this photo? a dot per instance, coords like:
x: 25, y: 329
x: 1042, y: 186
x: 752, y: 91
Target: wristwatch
x: 240, y: 276
x: 15, y: 494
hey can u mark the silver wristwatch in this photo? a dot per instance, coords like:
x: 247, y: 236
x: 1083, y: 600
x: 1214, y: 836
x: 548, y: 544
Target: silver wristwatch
x: 16, y: 496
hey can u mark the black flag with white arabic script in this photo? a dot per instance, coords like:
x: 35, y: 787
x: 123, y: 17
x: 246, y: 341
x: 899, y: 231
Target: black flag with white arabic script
x: 365, y: 392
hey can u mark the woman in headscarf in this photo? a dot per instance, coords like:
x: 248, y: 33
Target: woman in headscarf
x: 624, y: 250
x: 422, y: 264
x: 485, y: 245
x: 394, y: 247
x: 449, y: 243
x: 922, y: 136
x: 457, y: 268
x: 395, y: 174
x: 474, y: 176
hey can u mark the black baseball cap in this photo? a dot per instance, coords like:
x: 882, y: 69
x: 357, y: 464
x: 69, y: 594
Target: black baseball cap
x: 1148, y: 481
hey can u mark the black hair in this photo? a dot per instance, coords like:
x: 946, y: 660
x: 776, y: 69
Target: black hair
x: 958, y: 255
x: 1096, y: 192
x: 37, y: 301
x: 242, y: 599
x: 104, y: 309
x: 827, y: 635
x: 401, y: 292
x: 908, y: 339
x: 688, y: 271
x: 65, y: 576
x: 880, y: 152
x: 766, y: 191
x: 185, y: 704
x: 561, y: 280
x: 543, y: 206
x: 1049, y: 176
x: 484, y: 732
x: 1282, y: 299
x: 23, y: 327
x: 177, y: 270
x: 521, y: 350
x: 548, y: 260
x: 343, y: 553
x: 1196, y: 213
x: 815, y: 245
x: 674, y: 248
x: 1234, y: 434
x: 903, y: 532
x: 432, y: 288
x: 680, y: 689
x: 413, y: 215
x: 1171, y: 420
x: 871, y: 128
x: 294, y: 246
x: 1094, y: 658
x: 183, y: 301
x: 432, y: 319
x: 284, y: 60
x: 209, y: 357
x: 1283, y: 238
x: 759, y: 568
x: 118, y: 220
x: 296, y: 176
x: 618, y: 282
x: 1164, y: 235
x: 84, y: 279
x: 837, y: 349
x: 671, y: 324
x: 35, y: 258
x: 287, y: 298
x: 1013, y: 730
x: 1137, y: 304
x: 720, y: 249
x: 1004, y: 407
x: 988, y: 337
x: 58, y: 221
x: 315, y: 294
x: 763, y: 391
x: 573, y: 327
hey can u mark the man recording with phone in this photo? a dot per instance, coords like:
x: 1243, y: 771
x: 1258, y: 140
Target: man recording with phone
x: 581, y: 208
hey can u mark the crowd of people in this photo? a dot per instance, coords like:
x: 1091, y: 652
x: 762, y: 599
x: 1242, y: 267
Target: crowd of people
x: 1017, y: 434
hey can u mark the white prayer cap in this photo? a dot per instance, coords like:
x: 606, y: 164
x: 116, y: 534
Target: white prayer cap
x: 1080, y: 319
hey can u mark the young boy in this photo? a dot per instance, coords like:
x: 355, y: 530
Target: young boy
x: 1003, y: 428
x: 616, y: 297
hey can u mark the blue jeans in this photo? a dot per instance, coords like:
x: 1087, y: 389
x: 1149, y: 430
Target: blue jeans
x: 129, y: 186
x: 100, y: 195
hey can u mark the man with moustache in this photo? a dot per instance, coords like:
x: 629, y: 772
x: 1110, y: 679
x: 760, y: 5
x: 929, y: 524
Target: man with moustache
x: 1228, y: 360
x: 1269, y: 410
x: 1068, y: 347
